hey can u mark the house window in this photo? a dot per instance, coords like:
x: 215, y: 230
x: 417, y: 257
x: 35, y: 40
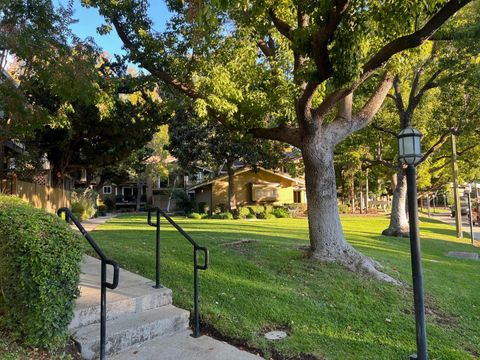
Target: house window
x: 107, y: 190
x: 264, y: 193
x: 297, y: 196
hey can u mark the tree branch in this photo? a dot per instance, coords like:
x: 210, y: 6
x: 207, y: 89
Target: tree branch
x: 398, y: 97
x: 282, y: 27
x: 304, y: 105
x: 443, y: 138
x: 187, y: 89
x: 430, y: 84
x: 340, y: 128
x: 325, y: 36
x: 415, y: 39
x: 267, y: 50
x: 281, y: 133
x: 468, y: 148
x: 388, y: 164
x: 385, y: 130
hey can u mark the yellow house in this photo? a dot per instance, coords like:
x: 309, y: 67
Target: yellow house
x: 259, y: 186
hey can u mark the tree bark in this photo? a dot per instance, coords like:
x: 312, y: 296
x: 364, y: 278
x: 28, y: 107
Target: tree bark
x: 327, y: 241
x: 352, y: 194
x: 232, y: 201
x: 139, y: 192
x: 398, y: 217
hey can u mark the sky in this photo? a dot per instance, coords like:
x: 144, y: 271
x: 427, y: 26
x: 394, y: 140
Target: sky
x: 89, y: 19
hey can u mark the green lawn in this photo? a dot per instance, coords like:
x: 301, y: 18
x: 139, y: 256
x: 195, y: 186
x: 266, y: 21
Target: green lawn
x: 327, y: 311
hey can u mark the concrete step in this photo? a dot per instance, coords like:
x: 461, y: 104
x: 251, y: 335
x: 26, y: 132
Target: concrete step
x: 182, y: 346
x: 131, y: 329
x: 122, y: 302
x: 134, y: 294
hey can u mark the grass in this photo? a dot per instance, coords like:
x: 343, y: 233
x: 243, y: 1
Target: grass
x: 327, y: 311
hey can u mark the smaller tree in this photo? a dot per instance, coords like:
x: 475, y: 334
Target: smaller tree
x: 194, y: 143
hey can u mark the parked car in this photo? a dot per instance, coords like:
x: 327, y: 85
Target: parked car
x: 476, y: 214
x: 463, y: 208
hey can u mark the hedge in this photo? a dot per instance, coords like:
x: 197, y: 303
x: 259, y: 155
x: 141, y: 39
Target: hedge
x: 39, y: 273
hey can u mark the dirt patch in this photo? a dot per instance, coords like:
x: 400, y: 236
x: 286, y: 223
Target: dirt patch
x: 469, y: 348
x: 434, y: 314
x: 240, y: 243
x: 242, y: 246
x: 304, y: 248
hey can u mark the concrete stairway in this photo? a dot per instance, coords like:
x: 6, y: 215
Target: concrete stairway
x: 142, y: 323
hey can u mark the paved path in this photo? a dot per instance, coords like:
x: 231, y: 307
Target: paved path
x: 92, y: 224
x: 447, y: 219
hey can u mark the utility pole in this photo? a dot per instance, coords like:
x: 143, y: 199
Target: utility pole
x: 456, y: 195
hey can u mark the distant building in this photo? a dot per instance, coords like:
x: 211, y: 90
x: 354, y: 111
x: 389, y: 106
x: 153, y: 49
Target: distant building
x: 259, y: 186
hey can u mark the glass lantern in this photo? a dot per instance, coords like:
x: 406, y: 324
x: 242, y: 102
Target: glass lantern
x: 409, y: 148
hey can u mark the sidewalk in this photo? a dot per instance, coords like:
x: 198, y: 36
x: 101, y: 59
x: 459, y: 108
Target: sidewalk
x: 446, y: 218
x: 92, y: 224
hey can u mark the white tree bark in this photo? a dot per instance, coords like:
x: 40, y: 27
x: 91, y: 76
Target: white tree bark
x: 327, y: 241
x: 398, y: 217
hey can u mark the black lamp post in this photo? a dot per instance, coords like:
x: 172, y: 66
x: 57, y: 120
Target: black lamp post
x: 409, y: 153
x: 468, y: 192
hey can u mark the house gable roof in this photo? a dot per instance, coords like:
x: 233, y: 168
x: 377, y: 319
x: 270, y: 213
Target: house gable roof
x: 243, y: 170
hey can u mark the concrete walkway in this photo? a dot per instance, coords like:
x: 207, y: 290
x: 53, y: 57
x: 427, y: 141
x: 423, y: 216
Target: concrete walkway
x: 142, y: 323
x: 447, y: 219
x: 92, y: 224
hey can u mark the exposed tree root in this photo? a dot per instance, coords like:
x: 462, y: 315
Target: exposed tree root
x: 402, y: 232
x: 356, y: 262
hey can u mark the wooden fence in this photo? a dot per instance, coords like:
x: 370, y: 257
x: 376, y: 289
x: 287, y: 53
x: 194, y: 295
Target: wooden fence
x: 44, y: 197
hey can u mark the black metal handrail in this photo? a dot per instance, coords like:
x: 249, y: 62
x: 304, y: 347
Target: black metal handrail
x: 104, y: 284
x: 196, y: 267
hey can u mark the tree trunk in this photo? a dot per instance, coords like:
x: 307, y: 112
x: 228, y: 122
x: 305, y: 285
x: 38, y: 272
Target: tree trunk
x: 352, y: 194
x: 139, y: 192
x: 232, y: 201
x: 366, y: 193
x: 398, y: 217
x: 327, y: 241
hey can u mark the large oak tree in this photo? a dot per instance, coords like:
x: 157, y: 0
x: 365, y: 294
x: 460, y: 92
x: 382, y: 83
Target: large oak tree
x: 286, y: 71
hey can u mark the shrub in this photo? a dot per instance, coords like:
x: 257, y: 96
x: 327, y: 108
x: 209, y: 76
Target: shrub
x: 256, y: 209
x: 251, y: 216
x: 184, y: 202
x: 243, y: 212
x: 109, y: 203
x: 270, y: 216
x: 39, y: 273
x: 223, y: 216
x: 195, y: 215
x: 203, y: 207
x: 281, y: 213
x: 83, y: 203
x: 262, y: 215
x: 344, y: 208
x: 220, y: 208
x: 268, y: 209
x: 297, y: 209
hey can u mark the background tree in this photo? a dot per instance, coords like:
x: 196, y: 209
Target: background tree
x: 416, y: 102
x: 284, y: 71
x: 198, y: 143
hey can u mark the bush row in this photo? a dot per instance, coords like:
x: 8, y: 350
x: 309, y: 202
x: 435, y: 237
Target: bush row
x: 39, y: 273
x: 245, y: 212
